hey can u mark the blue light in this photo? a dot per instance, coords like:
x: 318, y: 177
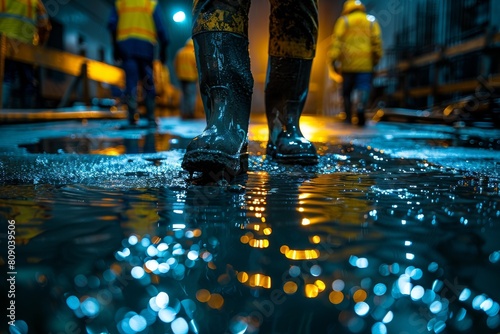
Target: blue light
x: 180, y: 16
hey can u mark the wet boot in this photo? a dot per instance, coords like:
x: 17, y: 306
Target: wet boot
x: 150, y: 111
x: 226, y: 85
x: 286, y: 92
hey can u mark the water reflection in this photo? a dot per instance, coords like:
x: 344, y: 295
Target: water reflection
x: 128, y: 143
x: 294, y: 252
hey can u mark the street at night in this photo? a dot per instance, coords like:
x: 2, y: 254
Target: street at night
x: 250, y: 167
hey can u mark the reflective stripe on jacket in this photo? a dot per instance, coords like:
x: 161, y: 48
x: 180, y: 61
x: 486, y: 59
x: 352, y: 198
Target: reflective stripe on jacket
x: 18, y: 19
x: 356, y: 42
x: 135, y: 20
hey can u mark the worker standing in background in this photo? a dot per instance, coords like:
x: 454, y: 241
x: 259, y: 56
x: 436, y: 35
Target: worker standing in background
x: 136, y: 28
x: 355, y: 50
x: 25, y: 21
x: 185, y: 69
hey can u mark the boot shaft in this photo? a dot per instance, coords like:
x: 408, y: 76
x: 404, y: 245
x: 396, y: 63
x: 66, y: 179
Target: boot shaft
x: 224, y: 74
x: 287, y: 80
x: 287, y: 87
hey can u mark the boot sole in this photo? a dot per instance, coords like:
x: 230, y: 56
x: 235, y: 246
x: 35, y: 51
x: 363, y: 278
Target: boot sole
x: 215, y: 162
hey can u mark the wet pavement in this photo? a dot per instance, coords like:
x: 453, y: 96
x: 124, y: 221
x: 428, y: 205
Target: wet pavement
x: 395, y: 231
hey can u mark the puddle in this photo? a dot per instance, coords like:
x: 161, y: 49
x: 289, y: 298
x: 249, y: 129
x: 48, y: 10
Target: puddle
x: 362, y: 243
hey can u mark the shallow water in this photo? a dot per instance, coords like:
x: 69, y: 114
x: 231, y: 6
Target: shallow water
x: 365, y: 242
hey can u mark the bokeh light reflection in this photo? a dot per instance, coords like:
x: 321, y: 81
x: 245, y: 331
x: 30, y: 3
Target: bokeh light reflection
x: 361, y: 308
x: 179, y: 326
x: 379, y: 328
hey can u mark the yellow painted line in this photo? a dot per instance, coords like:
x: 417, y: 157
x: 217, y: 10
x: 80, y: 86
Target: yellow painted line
x: 62, y: 115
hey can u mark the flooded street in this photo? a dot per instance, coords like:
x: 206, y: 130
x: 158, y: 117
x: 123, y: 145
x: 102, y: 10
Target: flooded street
x: 396, y: 230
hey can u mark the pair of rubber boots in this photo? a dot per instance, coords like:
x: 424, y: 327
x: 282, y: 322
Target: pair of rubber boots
x: 133, y: 113
x: 226, y: 86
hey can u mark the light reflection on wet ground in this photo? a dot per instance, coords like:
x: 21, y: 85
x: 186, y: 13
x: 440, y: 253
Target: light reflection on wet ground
x: 366, y: 242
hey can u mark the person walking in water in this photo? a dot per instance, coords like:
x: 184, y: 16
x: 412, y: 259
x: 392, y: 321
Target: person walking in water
x: 136, y: 28
x: 220, y: 35
x: 355, y: 50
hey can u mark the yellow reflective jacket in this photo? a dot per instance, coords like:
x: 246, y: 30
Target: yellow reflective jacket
x: 356, y: 41
x: 21, y: 20
x: 185, y: 63
x: 135, y: 20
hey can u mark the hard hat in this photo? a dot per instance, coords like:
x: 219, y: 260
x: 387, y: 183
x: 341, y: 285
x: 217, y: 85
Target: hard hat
x: 352, y: 5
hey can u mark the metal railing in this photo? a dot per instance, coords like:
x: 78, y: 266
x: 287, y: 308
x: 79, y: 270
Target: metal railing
x: 81, y: 68
x: 435, y: 62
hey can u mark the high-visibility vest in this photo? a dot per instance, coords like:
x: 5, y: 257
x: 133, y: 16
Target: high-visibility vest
x: 18, y: 20
x: 185, y: 63
x: 356, y: 42
x: 135, y: 20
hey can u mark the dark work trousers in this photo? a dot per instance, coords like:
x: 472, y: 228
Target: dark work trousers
x: 293, y: 25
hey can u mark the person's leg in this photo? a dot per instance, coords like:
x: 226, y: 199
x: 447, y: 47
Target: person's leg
x: 363, y: 86
x: 348, y: 82
x: 148, y: 88
x: 189, y: 98
x: 223, y: 61
x: 28, y: 87
x: 8, y: 82
x: 183, y: 99
x: 131, y: 69
x: 292, y: 46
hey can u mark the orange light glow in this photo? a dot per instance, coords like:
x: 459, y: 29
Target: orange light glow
x: 290, y: 288
x: 315, y: 239
x: 336, y: 297
x: 311, y: 291
x: 112, y: 151
x: 216, y: 301
x: 307, y: 254
x: 321, y: 285
x: 260, y: 280
x: 242, y: 277
x: 359, y: 296
x: 256, y: 243
x: 203, y: 295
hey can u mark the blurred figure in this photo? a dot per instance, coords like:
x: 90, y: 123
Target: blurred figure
x: 220, y: 34
x: 136, y: 28
x: 25, y: 21
x: 185, y: 69
x: 355, y: 50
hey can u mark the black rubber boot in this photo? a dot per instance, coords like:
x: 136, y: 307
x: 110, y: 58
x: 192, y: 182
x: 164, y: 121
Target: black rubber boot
x: 226, y: 85
x: 286, y: 91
